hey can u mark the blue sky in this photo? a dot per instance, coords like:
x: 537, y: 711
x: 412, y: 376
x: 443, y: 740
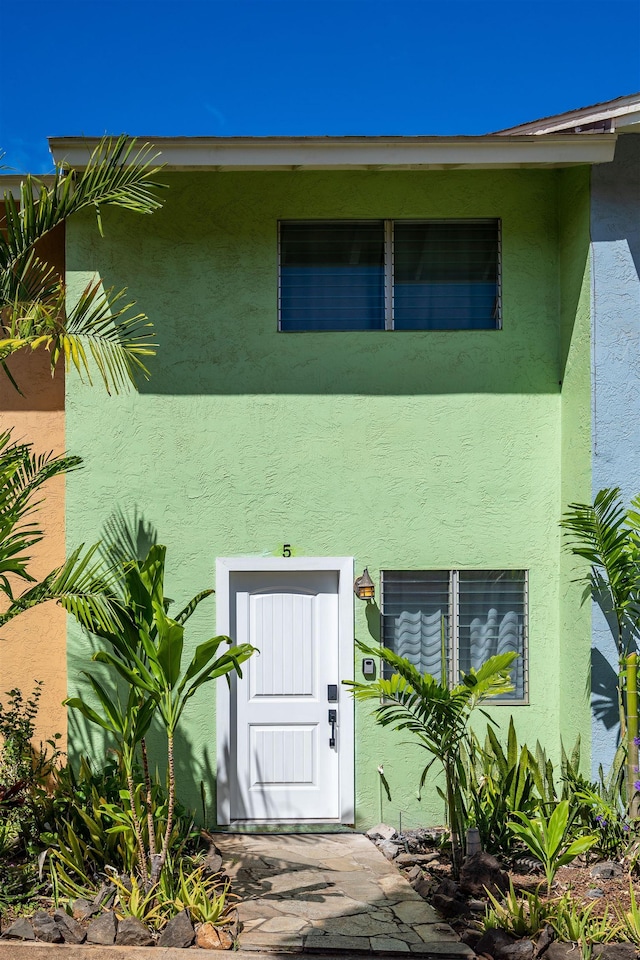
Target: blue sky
x: 259, y: 67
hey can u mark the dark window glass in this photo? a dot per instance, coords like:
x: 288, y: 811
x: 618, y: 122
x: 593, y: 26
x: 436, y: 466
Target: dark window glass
x: 332, y: 276
x: 446, y: 275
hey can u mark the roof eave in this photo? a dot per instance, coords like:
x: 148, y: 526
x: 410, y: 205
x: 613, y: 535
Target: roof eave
x: 359, y: 153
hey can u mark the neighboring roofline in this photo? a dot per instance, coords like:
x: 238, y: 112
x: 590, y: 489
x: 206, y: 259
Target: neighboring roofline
x: 358, y: 153
x: 611, y: 115
x: 11, y: 182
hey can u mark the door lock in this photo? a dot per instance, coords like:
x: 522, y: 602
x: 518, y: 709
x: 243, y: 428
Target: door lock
x: 332, y: 692
x: 333, y: 719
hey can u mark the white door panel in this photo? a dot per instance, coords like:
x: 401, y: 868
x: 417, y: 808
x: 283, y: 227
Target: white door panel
x: 286, y: 768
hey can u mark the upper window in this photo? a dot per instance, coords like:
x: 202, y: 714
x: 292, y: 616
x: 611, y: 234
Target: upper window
x: 447, y: 621
x: 389, y: 275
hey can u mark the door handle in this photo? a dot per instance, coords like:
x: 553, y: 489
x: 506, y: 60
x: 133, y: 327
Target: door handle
x: 333, y: 719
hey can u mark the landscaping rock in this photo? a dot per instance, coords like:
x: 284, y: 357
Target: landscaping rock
x: 449, y: 906
x: 615, y: 951
x: 423, y: 887
x: 595, y: 893
x: 413, y: 859
x: 71, y: 930
x: 45, y: 928
x: 178, y: 932
x: 481, y: 871
x: 20, y: 929
x: 563, y: 951
x: 381, y: 832
x: 213, y: 859
x: 471, y: 938
x: 448, y: 888
x: 103, y: 929
x: 105, y: 896
x: 133, y: 933
x: 607, y: 870
x: 414, y: 874
x: 82, y: 909
x: 492, y: 941
x: 389, y: 849
x: 209, y: 937
x: 520, y: 950
x: 477, y: 906
x: 545, y: 938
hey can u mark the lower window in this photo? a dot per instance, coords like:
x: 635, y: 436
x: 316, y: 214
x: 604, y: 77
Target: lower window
x: 447, y: 621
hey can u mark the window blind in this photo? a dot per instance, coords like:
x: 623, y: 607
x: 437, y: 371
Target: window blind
x: 385, y: 274
x: 491, y: 619
x: 447, y: 621
x: 416, y: 617
x: 332, y: 276
x: 445, y: 275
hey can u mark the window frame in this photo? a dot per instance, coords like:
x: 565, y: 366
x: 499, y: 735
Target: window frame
x: 453, y: 641
x: 389, y: 265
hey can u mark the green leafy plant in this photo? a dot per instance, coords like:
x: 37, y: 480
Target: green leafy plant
x: 145, y: 650
x: 436, y: 716
x: 576, y: 923
x: 608, y: 537
x: 522, y: 914
x: 549, y: 839
x: 499, y: 783
x: 205, y: 898
x: 630, y: 919
x: 137, y: 899
x: 600, y: 805
x: 87, y: 827
x: 34, y: 307
x: 81, y: 585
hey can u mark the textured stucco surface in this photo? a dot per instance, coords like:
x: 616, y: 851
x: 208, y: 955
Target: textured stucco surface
x: 405, y: 450
x: 615, y: 309
x: 575, y: 615
x: 33, y: 646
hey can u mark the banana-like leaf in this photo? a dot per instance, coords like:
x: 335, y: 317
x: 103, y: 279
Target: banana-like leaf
x: 186, y: 612
x: 169, y: 648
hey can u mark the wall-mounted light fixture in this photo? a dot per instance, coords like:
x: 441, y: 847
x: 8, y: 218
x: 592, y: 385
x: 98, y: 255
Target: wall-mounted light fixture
x: 364, y: 587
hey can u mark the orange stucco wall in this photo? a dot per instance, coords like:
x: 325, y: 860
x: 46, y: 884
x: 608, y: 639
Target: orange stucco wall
x: 33, y: 646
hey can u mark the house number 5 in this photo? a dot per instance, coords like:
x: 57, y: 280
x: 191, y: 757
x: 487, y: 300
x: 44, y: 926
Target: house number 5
x: 286, y: 550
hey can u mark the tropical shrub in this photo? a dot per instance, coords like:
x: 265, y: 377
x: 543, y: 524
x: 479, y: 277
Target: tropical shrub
x: 437, y: 716
x: 608, y: 536
x: 549, y: 839
x: 522, y: 914
x: 145, y: 650
x: 499, y: 783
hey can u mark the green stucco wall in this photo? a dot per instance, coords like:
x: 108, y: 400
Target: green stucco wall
x: 575, y: 354
x: 405, y: 450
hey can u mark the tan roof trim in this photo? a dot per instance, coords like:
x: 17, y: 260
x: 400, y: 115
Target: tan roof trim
x: 359, y: 153
x: 622, y: 112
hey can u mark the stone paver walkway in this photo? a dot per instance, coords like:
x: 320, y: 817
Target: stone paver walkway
x: 313, y: 893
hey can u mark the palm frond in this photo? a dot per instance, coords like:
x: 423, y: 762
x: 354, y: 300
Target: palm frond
x: 82, y: 585
x: 100, y: 330
x: 608, y: 537
x: 118, y: 173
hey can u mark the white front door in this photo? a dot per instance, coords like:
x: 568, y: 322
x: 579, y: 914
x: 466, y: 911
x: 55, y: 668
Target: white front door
x: 284, y: 752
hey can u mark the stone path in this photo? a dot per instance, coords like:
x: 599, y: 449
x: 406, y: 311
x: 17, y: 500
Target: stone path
x: 313, y: 893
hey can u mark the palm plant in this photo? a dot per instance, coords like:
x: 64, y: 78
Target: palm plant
x: 34, y: 307
x: 145, y: 650
x: 82, y: 584
x: 608, y: 536
x: 437, y: 716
